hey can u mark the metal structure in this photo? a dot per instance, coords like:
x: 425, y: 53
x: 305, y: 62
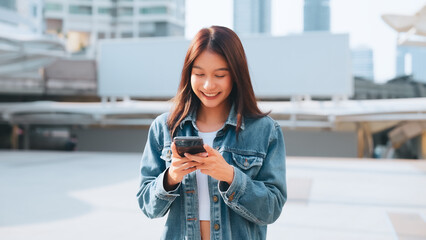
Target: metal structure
x: 411, y: 33
x: 364, y: 117
x: 24, y: 50
x: 22, y: 54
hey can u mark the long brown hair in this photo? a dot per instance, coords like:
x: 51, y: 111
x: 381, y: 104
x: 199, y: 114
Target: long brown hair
x: 225, y: 42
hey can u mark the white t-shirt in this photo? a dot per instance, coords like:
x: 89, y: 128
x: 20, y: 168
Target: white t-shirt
x: 202, y: 182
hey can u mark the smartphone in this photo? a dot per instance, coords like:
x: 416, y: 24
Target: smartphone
x: 189, y: 144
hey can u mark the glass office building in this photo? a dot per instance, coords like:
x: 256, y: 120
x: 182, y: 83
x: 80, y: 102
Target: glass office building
x: 362, y: 62
x: 316, y: 16
x: 21, y: 16
x: 252, y: 17
x: 411, y: 60
x: 88, y: 21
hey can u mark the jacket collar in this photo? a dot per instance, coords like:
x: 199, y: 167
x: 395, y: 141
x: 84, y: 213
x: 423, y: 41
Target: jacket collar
x: 232, y: 118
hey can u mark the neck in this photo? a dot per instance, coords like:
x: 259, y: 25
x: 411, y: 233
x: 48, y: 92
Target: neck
x: 212, y: 119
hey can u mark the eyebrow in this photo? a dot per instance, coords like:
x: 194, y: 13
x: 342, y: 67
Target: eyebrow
x: 219, y: 69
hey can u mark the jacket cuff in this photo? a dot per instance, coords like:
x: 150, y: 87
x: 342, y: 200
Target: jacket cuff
x: 161, y: 193
x: 231, y: 193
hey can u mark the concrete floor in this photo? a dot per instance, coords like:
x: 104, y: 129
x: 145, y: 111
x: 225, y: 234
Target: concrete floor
x: 82, y: 195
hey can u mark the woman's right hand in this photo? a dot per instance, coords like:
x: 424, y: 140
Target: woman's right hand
x: 179, y: 167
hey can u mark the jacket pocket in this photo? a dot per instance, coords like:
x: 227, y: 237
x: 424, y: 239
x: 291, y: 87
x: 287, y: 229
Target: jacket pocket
x: 250, y: 164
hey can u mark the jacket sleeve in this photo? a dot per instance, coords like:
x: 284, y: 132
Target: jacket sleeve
x: 154, y: 200
x: 260, y: 200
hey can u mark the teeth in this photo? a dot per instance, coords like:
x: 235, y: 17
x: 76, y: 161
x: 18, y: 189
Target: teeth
x: 210, y: 95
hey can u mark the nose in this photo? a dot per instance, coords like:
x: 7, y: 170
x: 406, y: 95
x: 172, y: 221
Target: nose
x: 208, y: 84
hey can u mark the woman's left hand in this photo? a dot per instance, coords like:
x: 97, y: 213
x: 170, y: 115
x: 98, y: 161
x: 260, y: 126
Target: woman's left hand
x: 214, y: 165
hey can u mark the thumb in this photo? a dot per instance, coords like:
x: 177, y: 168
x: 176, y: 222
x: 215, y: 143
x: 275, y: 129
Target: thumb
x: 174, y: 151
x: 210, y: 150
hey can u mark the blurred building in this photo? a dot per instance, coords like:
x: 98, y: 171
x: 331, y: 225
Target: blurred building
x: 252, y: 16
x: 17, y: 16
x: 400, y: 87
x: 316, y: 15
x: 24, y: 50
x: 84, y: 22
x: 67, y: 77
x: 362, y: 62
x: 411, y: 60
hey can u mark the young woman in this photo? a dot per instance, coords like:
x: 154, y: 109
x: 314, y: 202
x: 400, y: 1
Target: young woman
x: 238, y: 186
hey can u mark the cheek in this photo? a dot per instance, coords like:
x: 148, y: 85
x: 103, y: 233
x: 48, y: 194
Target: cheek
x: 193, y: 83
x: 229, y: 84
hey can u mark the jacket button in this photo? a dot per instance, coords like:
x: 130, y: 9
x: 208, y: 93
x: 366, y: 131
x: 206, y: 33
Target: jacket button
x: 216, y: 227
x: 246, y: 163
x: 215, y: 199
x: 230, y: 198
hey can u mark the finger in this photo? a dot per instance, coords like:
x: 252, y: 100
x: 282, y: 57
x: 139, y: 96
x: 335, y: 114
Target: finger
x: 174, y: 151
x: 202, y: 154
x: 180, y: 173
x: 189, y: 170
x: 185, y: 169
x: 203, y: 167
x: 191, y: 164
x: 181, y: 162
x: 205, y: 171
x: 187, y: 164
x: 194, y: 157
x: 209, y: 150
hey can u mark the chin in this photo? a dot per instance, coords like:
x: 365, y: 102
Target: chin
x: 213, y: 105
x: 210, y: 105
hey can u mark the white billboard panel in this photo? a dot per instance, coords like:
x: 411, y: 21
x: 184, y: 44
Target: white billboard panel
x: 315, y: 64
x: 148, y: 68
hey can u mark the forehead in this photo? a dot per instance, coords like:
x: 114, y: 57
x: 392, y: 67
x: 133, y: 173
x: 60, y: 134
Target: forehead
x: 210, y: 60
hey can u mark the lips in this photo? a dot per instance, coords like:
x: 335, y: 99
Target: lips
x: 211, y: 95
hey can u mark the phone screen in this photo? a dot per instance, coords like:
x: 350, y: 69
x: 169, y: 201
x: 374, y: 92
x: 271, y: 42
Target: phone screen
x: 189, y: 144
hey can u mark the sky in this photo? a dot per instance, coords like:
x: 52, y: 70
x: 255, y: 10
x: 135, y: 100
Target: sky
x: 361, y: 19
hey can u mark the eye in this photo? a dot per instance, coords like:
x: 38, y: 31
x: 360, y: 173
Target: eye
x: 220, y: 76
x: 199, y: 74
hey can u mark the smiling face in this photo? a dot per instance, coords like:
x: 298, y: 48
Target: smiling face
x: 211, y: 80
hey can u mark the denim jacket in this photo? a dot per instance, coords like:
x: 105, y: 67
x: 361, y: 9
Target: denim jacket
x: 241, y: 210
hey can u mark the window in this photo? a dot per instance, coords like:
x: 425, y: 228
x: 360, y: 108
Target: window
x: 147, y: 27
x: 126, y: 35
x: 106, y: 11
x: 9, y: 4
x: 53, y: 7
x: 153, y: 10
x: 34, y: 11
x: 125, y: 12
x: 80, y: 10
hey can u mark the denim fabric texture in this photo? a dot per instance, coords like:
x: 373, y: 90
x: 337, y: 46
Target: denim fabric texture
x: 238, y: 211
